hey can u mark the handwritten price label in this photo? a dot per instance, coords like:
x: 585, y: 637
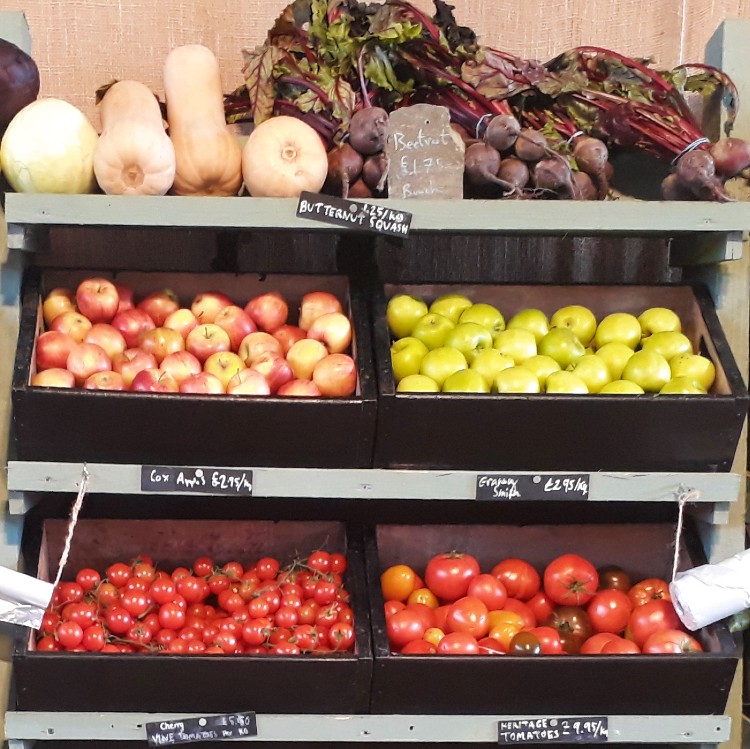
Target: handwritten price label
x: 553, y: 731
x: 210, y: 728
x: 532, y: 487
x: 368, y: 217
x: 230, y: 481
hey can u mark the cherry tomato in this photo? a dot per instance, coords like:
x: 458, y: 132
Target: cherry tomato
x: 469, y: 615
x: 179, y: 572
x: 88, y: 578
x: 448, y: 575
x: 272, y: 595
x: 107, y: 594
x: 594, y: 644
x: 234, y: 570
x: 280, y: 634
x: 423, y: 595
x: 549, y: 640
x: 50, y: 620
x: 609, y: 611
x: 267, y: 568
x: 162, y: 590
x: 489, y: 646
x: 405, y: 626
x: 285, y: 648
x: 525, y: 643
x: 135, y: 603
x: 397, y: 582
x: 458, y: 643
x: 118, y: 574
x: 171, y: 616
x: 440, y: 616
x: 177, y: 646
x: 570, y: 580
x: 118, y: 620
x: 320, y: 561
x: 649, y: 589
x: 672, y: 641
x: 144, y: 571
x: 218, y: 583
x: 140, y: 634
x: 325, y: 593
x: 203, y: 566
x: 194, y: 647
x: 520, y: 579
x: 341, y: 636
x: 152, y: 622
x: 291, y: 589
x: 489, y: 590
x: 306, y: 637
x: 612, y: 577
x: 69, y: 593
x: 338, y: 564
x: 653, y: 616
x: 230, y: 601
x: 308, y: 611
x: 247, y: 587
x: 434, y: 635
x: 520, y: 608
x: 48, y: 643
x: 192, y: 589
x: 503, y: 632
x: 621, y: 646
x: 136, y: 584
x: 286, y: 616
x: 540, y: 606
x: 69, y: 634
x: 291, y: 600
x: 419, y: 647
x: 82, y: 613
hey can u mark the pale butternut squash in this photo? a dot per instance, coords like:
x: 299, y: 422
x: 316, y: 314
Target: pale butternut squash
x: 209, y: 158
x: 134, y: 155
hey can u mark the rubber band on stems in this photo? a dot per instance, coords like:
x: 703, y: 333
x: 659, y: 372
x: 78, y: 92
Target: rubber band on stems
x: 683, y: 498
x: 695, y: 144
x: 576, y: 134
x: 479, y: 124
x: 82, y: 488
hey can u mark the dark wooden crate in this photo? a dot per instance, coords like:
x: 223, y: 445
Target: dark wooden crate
x: 564, y: 432
x: 697, y: 684
x: 335, y: 682
x: 53, y: 424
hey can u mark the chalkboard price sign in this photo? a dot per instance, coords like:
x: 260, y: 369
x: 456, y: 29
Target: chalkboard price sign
x: 236, y: 482
x: 553, y: 731
x: 210, y: 728
x: 532, y: 487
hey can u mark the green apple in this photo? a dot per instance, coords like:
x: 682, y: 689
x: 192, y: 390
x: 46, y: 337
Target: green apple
x: 451, y: 306
x: 542, y: 367
x: 440, y: 363
x: 465, y: 381
x: 489, y: 363
x: 516, y: 380
x: 518, y: 344
x: 432, y: 330
x: 682, y: 386
x: 647, y: 369
x: 417, y: 383
x: 533, y: 320
x: 485, y: 315
x: 562, y: 345
x: 621, y: 387
x: 403, y: 313
x: 658, y: 320
x: 406, y: 357
x: 565, y: 382
x: 697, y: 367
x: 593, y: 370
x: 469, y: 338
x: 619, y: 326
x: 615, y: 356
x: 668, y: 343
x: 581, y: 320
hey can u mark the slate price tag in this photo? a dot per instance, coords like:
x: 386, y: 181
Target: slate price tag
x: 210, y: 728
x: 363, y: 216
x: 236, y: 482
x: 553, y: 731
x: 534, y: 487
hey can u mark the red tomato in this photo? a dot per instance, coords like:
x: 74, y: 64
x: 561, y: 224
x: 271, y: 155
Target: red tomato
x: 82, y: 613
x: 594, y: 644
x: 325, y: 593
x: 140, y: 634
x: 405, y: 626
x: 285, y: 648
x: 540, y: 606
x: 50, y: 620
x: 458, y: 643
x: 230, y: 601
x: 69, y: 634
x: 247, y: 587
x: 440, y: 616
x: 391, y: 607
x: 118, y: 620
x: 621, y: 646
x: 653, y: 616
x: 419, y: 647
x: 144, y: 571
x: 118, y: 574
x: 280, y: 634
x: 672, y: 641
x: 448, y: 575
x: 549, y: 639
x: 256, y: 631
x: 203, y: 566
x: 94, y: 638
x: 469, y: 615
x: 267, y: 568
x: 179, y: 572
x: 192, y: 589
x: 338, y: 563
x: 341, y: 636
x: 286, y: 616
x: 107, y: 595
x: 258, y: 607
x: 162, y: 590
x: 489, y: 646
x: 424, y: 612
x: 195, y: 646
x: 320, y: 561
x: 135, y: 603
x: 570, y: 580
x: 218, y: 583
x: 88, y: 579
x: 489, y: 590
x: 649, y: 589
x: 609, y: 611
x: 523, y: 610
x: 69, y: 593
x: 233, y: 570
x: 308, y: 612
x: 48, y: 643
x: 306, y: 637
x: 520, y: 579
x: 177, y: 646
x: 171, y: 616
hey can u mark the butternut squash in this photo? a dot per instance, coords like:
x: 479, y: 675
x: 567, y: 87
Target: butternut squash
x: 209, y: 158
x: 134, y: 155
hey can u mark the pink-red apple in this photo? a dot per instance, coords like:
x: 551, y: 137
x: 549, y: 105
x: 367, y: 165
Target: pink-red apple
x: 97, y: 299
x: 73, y: 324
x: 223, y: 365
x: 202, y: 384
x: 300, y: 389
x: 182, y: 320
x: 154, y: 381
x: 131, y: 323
x: 56, y: 302
x: 336, y: 375
x: 85, y: 359
x: 53, y: 349
x: 132, y: 361
x: 105, y: 381
x: 206, y: 340
x: 161, y: 342
x: 54, y: 378
x: 288, y: 335
x: 314, y: 305
x: 258, y: 344
x: 208, y: 305
x: 332, y: 329
x: 126, y: 297
x: 248, y: 382
x: 180, y: 365
x: 268, y: 311
x: 236, y: 322
x: 276, y: 370
x: 304, y: 356
x: 160, y: 305
x: 108, y: 337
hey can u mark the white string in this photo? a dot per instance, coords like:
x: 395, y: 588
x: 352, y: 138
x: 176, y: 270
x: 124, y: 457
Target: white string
x: 682, y: 499
x: 82, y: 487
x: 576, y: 134
x: 479, y: 124
x: 683, y: 31
x: 688, y: 149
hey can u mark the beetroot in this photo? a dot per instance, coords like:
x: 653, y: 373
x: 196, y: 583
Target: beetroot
x: 344, y: 168
x: 515, y: 172
x: 531, y: 145
x: 731, y: 156
x: 19, y: 81
x: 697, y: 172
x: 481, y: 165
x: 360, y: 190
x: 583, y: 187
x: 554, y: 174
x: 368, y: 130
x: 673, y: 189
x: 375, y: 171
x: 592, y: 157
x: 502, y: 132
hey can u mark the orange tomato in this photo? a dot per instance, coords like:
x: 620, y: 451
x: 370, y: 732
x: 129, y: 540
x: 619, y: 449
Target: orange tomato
x: 504, y: 632
x: 425, y: 596
x: 505, y: 617
x: 397, y: 582
x: 434, y: 635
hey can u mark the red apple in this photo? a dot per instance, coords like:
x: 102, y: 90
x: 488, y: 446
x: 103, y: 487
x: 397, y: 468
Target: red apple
x: 154, y: 381
x: 56, y: 302
x: 248, y: 382
x: 54, y: 378
x: 334, y: 330
x: 223, y: 365
x: 105, y: 381
x: 258, y: 344
x: 160, y: 305
x: 268, y: 311
x: 303, y: 357
x: 160, y: 342
x: 131, y: 323
x: 180, y: 365
x: 288, y: 335
x: 108, y: 337
x: 85, y: 359
x: 202, y: 384
x: 183, y: 321
x: 276, y: 370
x: 206, y: 340
x: 73, y: 324
x: 236, y: 322
x: 314, y: 305
x: 207, y: 306
x: 97, y: 299
x: 126, y: 297
x: 300, y: 389
x: 52, y: 350
x: 336, y: 375
x: 132, y: 361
